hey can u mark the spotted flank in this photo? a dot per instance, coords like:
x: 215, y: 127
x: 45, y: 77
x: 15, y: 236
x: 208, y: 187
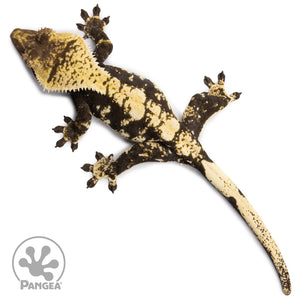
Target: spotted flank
x: 135, y: 108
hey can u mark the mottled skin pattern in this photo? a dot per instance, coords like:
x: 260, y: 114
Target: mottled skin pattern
x: 134, y: 107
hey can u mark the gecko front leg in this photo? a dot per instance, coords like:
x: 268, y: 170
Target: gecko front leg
x: 203, y: 106
x: 94, y: 29
x: 75, y: 129
x: 138, y: 153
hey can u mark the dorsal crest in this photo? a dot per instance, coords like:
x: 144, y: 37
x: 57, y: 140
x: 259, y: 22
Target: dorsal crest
x: 74, y: 68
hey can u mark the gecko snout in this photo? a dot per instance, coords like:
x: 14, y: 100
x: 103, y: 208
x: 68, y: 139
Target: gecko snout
x: 21, y: 38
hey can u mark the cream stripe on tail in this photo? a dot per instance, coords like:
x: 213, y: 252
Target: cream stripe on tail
x: 223, y: 183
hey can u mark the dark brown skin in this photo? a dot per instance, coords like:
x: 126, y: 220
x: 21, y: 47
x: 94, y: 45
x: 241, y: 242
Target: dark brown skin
x: 135, y: 108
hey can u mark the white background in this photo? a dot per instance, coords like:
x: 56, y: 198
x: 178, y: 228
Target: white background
x: 165, y: 233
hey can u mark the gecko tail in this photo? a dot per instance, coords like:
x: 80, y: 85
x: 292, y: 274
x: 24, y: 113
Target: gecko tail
x: 230, y: 191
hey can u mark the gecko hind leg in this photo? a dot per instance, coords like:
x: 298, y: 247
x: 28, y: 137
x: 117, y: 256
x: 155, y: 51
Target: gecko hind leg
x: 102, y: 168
x: 203, y: 106
x: 138, y: 153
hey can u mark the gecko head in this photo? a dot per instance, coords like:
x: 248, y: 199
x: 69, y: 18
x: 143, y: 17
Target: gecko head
x: 46, y: 51
x: 35, y: 47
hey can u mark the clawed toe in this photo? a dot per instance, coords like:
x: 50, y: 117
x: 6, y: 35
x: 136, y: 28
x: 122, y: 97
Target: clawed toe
x: 208, y: 82
x: 235, y: 96
x: 96, y: 10
x: 84, y: 15
x: 91, y: 182
x: 80, y: 26
x: 221, y: 78
x: 87, y: 167
x: 60, y: 143
x: 67, y: 120
x: 106, y: 20
x: 58, y: 129
x: 74, y: 146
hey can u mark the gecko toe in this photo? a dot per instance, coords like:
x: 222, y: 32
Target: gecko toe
x: 74, y: 146
x: 58, y: 129
x: 221, y: 78
x: 67, y: 120
x: 112, y: 185
x: 235, y: 96
x: 84, y: 15
x: 96, y: 10
x: 87, y: 168
x: 106, y: 20
x: 98, y: 155
x: 208, y: 82
x: 91, y: 182
x: 80, y: 26
x: 60, y: 143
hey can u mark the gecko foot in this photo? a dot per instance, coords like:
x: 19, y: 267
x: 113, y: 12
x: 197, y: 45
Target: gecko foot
x: 72, y: 132
x: 218, y: 89
x: 92, y: 24
x: 102, y: 168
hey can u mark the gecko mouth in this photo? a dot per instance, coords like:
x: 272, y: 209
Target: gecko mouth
x: 21, y: 37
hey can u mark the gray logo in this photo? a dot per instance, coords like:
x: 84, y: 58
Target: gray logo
x: 39, y: 263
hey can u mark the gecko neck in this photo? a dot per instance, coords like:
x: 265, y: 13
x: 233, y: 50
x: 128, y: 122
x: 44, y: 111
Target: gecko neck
x: 74, y: 69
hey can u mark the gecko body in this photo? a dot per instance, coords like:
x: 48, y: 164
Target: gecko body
x: 137, y: 109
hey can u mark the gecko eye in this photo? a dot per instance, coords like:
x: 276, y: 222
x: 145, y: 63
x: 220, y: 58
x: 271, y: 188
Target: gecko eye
x: 44, y: 35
